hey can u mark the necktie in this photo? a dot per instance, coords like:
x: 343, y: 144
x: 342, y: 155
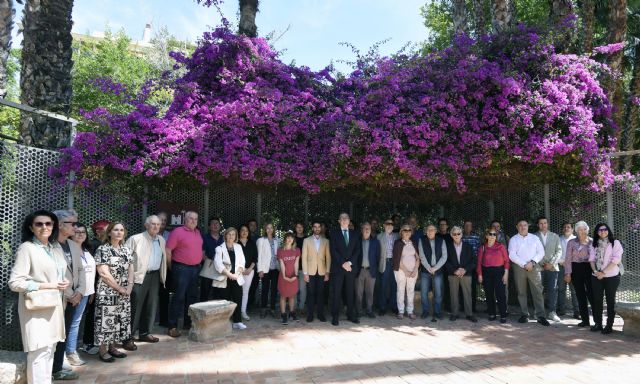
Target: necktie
x: 345, y: 233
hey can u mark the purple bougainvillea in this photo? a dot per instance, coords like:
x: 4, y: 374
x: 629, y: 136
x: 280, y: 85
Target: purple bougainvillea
x: 437, y: 121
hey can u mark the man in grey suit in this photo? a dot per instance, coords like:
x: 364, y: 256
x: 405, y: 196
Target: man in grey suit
x: 549, y: 263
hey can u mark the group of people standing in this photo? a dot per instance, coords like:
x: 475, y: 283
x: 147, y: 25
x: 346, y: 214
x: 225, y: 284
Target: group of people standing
x: 120, y: 285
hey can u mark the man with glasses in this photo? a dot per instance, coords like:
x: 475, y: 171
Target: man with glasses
x: 184, y: 255
x: 345, y: 248
x: 525, y: 252
x: 433, y: 256
x: 388, y: 288
x: 67, y: 222
x: 150, y: 268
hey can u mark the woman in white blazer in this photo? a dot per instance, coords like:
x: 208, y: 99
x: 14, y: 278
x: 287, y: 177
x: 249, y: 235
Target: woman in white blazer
x: 229, y: 263
x: 268, y: 268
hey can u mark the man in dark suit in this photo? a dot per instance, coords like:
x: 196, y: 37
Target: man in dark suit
x: 346, y: 247
x: 367, y: 270
x: 460, y: 265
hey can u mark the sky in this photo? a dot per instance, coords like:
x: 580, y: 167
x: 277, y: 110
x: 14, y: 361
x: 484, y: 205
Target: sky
x: 315, y: 27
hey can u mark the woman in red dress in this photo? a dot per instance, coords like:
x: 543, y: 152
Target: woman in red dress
x: 288, y: 258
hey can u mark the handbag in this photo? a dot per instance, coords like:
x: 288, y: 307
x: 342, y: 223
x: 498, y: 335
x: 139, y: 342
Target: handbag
x: 42, y: 299
x: 208, y: 270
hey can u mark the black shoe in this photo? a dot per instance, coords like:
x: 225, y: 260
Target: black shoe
x: 596, y: 328
x: 433, y: 320
x: 492, y: 318
x: 523, y: 319
x: 263, y: 313
x: 293, y: 316
x: 576, y: 315
x: 334, y: 322
x: 355, y: 320
x: 309, y: 319
x: 472, y: 319
x: 561, y: 313
x: 371, y: 315
x: 503, y: 320
x: 440, y: 316
x: 424, y: 315
x: 394, y: 311
x: 322, y: 318
x: 382, y: 312
x: 285, y: 319
x: 453, y: 318
x: 543, y: 321
x: 607, y: 330
x: 583, y: 324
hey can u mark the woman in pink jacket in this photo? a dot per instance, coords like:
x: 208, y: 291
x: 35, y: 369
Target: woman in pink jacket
x: 605, y: 256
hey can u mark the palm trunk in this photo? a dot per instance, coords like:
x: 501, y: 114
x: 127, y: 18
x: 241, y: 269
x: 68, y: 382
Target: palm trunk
x: 632, y: 118
x: 45, y: 77
x: 480, y: 22
x: 617, y: 33
x: 588, y: 15
x: 6, y: 24
x: 248, y: 11
x: 559, y: 10
x: 459, y: 16
x: 501, y: 14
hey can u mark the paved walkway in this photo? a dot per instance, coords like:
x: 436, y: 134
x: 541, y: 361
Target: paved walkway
x: 382, y: 350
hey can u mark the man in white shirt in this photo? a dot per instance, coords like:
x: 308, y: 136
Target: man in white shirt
x: 525, y: 252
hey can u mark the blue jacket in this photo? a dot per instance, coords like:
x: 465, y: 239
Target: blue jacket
x: 374, y: 254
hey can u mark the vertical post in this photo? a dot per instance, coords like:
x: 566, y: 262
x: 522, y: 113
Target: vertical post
x: 610, y: 210
x: 205, y: 205
x: 72, y: 175
x: 259, y: 209
x: 492, y: 210
x: 547, y: 205
x: 306, y: 210
x: 145, y: 204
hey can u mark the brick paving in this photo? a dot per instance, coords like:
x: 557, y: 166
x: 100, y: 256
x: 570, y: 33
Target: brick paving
x: 382, y: 350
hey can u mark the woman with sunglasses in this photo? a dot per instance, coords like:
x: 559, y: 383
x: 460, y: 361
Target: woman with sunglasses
x: 39, y: 270
x: 493, y: 273
x: 605, y: 256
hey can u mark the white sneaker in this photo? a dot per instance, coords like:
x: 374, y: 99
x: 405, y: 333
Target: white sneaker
x: 74, y: 359
x: 239, y: 326
x: 245, y: 316
x: 91, y: 349
x: 553, y: 316
x: 65, y: 365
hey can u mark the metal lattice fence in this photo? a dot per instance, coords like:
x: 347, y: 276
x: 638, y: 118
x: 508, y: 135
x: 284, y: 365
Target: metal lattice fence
x: 26, y: 186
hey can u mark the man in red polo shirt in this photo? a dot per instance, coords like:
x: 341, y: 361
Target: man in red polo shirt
x: 184, y: 255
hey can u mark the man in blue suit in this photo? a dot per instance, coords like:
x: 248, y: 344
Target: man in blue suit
x: 346, y: 247
x: 367, y: 270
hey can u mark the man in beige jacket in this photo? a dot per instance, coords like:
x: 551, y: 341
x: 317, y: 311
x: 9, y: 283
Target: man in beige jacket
x: 67, y: 222
x: 316, y: 264
x: 150, y: 270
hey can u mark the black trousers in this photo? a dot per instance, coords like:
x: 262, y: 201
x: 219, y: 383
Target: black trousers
x: 58, y: 356
x: 269, y: 289
x: 494, y: 289
x: 88, y: 331
x: 606, y: 287
x: 163, y: 302
x: 315, y: 296
x: 343, y: 282
x: 205, y: 289
x: 581, y: 279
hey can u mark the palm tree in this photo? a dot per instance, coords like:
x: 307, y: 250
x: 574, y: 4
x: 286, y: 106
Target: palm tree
x: 632, y: 118
x: 588, y: 17
x: 45, y: 77
x: 480, y: 22
x: 6, y: 24
x: 248, y: 11
x: 617, y: 34
x: 459, y: 16
x: 501, y: 14
x: 559, y: 10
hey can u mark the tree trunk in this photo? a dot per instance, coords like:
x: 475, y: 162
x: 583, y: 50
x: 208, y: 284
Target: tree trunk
x: 559, y: 10
x: 248, y: 11
x: 632, y: 118
x: 617, y: 34
x: 459, y: 16
x: 6, y: 24
x: 501, y: 14
x: 45, y: 77
x: 480, y: 22
x: 588, y: 15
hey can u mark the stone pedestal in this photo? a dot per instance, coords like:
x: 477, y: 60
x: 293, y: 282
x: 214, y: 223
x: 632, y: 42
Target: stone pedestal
x: 630, y: 313
x: 13, y: 367
x: 210, y: 320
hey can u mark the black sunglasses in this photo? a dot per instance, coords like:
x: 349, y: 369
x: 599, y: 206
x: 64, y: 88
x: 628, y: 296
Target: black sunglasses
x: 492, y: 234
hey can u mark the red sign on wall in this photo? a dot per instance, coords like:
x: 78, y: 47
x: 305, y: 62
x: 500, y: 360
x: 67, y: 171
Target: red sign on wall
x: 175, y: 212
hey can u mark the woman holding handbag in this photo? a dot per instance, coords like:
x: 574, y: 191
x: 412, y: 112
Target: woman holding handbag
x: 229, y: 263
x: 38, y: 275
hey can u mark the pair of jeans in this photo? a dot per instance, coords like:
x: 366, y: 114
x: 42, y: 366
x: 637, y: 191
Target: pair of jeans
x: 61, y: 346
x: 302, y: 291
x: 550, y: 288
x: 606, y: 287
x: 435, y: 283
x: 185, y: 288
x: 72, y: 337
x: 388, y: 288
